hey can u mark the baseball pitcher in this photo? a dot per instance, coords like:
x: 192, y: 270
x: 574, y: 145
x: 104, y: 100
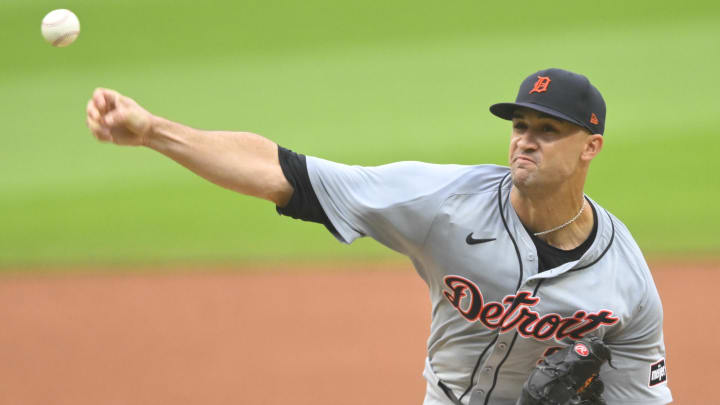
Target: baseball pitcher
x: 539, y: 295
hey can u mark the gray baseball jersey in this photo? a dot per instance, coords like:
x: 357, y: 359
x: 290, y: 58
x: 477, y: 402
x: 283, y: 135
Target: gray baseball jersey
x: 493, y: 315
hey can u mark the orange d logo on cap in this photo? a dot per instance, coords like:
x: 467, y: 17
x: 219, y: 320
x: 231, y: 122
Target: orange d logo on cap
x: 541, y: 85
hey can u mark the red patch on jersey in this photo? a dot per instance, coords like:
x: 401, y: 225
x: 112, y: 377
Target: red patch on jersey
x: 581, y: 349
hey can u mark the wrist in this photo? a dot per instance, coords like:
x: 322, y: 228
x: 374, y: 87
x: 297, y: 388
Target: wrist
x: 152, y: 133
x: 164, y: 136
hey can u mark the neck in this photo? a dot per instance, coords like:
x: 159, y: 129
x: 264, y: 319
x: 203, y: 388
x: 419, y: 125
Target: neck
x: 541, y: 210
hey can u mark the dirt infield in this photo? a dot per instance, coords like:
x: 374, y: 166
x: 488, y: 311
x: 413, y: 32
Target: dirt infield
x: 331, y: 336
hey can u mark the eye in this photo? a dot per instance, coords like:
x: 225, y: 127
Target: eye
x: 549, y: 128
x: 520, y: 126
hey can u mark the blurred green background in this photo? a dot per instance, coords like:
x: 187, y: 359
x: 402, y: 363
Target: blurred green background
x: 362, y: 82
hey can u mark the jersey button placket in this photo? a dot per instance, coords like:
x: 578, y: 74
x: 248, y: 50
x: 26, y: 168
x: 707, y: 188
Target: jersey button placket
x: 484, y: 382
x: 478, y: 396
x: 485, y: 378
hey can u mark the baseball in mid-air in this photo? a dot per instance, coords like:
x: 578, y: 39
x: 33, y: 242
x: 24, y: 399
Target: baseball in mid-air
x: 60, y: 27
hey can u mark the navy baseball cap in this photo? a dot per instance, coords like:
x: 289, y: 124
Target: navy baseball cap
x: 562, y: 94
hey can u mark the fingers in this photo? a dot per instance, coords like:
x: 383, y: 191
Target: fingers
x: 98, y: 99
x: 110, y: 99
x: 101, y: 105
x: 93, y: 122
x: 104, y: 99
x: 114, y: 116
x: 92, y: 111
x: 101, y: 133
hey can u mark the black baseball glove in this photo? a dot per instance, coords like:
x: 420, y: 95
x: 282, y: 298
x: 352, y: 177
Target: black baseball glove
x: 568, y: 376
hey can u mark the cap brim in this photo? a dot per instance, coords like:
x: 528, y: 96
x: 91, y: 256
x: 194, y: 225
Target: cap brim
x: 505, y: 111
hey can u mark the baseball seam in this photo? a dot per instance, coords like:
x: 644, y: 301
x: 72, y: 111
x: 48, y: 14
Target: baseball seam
x: 65, y: 16
x: 62, y: 37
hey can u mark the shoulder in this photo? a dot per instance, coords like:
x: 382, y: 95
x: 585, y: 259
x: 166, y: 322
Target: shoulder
x: 627, y: 270
x: 463, y: 178
x: 626, y: 248
x: 411, y: 167
x: 412, y: 174
x: 622, y: 247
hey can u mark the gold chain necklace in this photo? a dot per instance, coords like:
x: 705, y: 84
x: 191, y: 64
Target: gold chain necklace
x: 563, y: 225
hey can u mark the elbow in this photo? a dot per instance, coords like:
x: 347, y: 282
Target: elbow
x: 282, y: 194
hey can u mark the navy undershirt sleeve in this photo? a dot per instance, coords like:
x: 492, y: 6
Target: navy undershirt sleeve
x: 304, y: 203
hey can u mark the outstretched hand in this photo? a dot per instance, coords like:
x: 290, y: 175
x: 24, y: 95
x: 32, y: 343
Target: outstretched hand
x: 115, y: 118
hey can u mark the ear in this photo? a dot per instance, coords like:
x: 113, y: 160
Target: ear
x: 593, y: 146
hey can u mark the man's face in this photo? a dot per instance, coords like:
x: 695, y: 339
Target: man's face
x: 544, y: 150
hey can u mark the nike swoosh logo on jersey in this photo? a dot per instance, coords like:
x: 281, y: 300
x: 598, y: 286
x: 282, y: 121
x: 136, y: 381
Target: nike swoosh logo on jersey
x: 472, y: 241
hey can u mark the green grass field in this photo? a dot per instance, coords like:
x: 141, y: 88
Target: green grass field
x: 364, y: 82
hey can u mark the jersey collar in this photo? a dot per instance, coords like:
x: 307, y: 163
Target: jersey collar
x: 600, y: 246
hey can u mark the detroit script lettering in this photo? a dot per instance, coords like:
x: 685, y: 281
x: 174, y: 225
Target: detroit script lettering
x: 515, y: 313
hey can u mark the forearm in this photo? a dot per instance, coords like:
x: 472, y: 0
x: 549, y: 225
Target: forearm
x: 240, y: 161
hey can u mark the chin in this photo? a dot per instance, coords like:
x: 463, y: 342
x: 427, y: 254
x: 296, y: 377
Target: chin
x: 522, y: 177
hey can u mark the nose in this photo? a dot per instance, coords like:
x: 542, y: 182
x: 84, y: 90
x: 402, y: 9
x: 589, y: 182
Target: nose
x: 526, y: 141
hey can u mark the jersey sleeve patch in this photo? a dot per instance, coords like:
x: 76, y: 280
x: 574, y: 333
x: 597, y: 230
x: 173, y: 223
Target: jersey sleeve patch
x: 658, y: 374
